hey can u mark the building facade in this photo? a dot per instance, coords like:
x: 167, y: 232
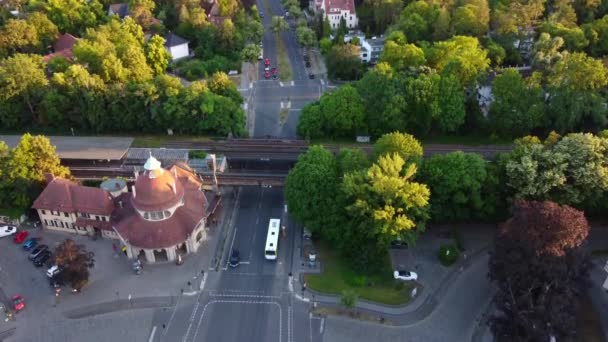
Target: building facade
x: 162, y: 217
x: 335, y: 11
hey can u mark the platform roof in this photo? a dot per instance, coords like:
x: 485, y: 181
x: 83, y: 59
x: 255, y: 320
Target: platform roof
x: 84, y: 148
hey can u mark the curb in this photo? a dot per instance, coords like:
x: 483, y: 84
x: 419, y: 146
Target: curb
x: 120, y: 305
x: 424, y: 309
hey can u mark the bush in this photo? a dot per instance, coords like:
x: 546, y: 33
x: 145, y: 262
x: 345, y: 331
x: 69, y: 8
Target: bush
x: 356, y: 280
x: 448, y: 254
x: 197, y: 154
x: 196, y: 69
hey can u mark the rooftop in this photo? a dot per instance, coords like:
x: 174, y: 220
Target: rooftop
x: 85, y: 148
x: 63, y: 195
x: 172, y: 39
x: 335, y: 6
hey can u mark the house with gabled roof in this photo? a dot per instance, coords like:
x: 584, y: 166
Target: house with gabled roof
x: 335, y: 11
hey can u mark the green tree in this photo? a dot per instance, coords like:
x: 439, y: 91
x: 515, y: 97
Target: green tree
x: 518, y: 108
x: 456, y: 181
x: 278, y: 24
x: 18, y: 36
x: 461, y: 56
x: 343, y: 62
x: 342, y: 112
x: 45, y: 29
x: 310, y: 124
x: 251, y: 52
x: 405, y: 145
x: 451, y: 103
x: 22, y: 82
x: 597, y: 34
x: 306, y: 36
x: 349, y: 299
x: 228, y: 8
x: 157, y: 56
x: 310, y: 190
x: 142, y: 12
x: 74, y: 16
x: 387, y: 201
x: 578, y: 72
x: 402, y: 56
x: 417, y: 20
x: 352, y: 159
x: 472, y: 19
x: 26, y: 166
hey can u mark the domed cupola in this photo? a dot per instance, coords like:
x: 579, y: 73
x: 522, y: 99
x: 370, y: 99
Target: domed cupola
x: 156, y: 189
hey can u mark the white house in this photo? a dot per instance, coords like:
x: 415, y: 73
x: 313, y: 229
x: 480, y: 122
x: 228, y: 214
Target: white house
x: 369, y: 49
x: 335, y: 10
x: 176, y: 46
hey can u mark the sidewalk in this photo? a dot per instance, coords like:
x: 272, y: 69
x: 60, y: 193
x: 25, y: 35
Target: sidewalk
x: 436, y: 279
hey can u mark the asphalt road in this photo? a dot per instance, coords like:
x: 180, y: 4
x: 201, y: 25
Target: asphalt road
x: 251, y: 302
x: 277, y: 104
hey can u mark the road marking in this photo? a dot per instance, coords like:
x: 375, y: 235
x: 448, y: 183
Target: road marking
x: 172, y: 315
x: 203, y: 282
x: 292, y: 83
x: 322, y: 82
x: 310, y: 326
x: 245, y: 262
x: 242, y: 295
x: 290, y: 284
x: 304, y: 299
x: 282, y: 105
x: 322, y: 325
x: 245, y: 105
x: 288, y: 104
x: 250, y: 85
x: 189, y: 294
x: 281, y: 84
x: 200, y: 320
x: 289, y: 324
x: 151, y: 338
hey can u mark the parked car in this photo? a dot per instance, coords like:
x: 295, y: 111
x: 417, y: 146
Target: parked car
x: 311, y: 76
x: 7, y: 230
x: 42, y: 258
x: 405, y: 275
x: 56, y: 281
x: 307, y: 64
x: 20, y: 237
x: 18, y: 303
x: 53, y: 271
x: 266, y: 74
x: 267, y: 68
x: 37, y: 251
x: 306, y: 58
x: 235, y: 258
x: 275, y: 73
x: 266, y: 61
x: 399, y: 244
x: 30, y: 243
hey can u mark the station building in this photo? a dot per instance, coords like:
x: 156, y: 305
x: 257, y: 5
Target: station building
x: 163, y: 216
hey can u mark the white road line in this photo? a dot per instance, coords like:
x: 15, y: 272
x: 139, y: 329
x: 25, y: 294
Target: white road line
x: 242, y: 295
x: 310, y: 326
x: 151, y: 338
x: 289, y: 324
x: 304, y: 299
x: 172, y: 315
x: 281, y: 84
x: 203, y: 282
x: 200, y: 320
x: 322, y: 325
x: 292, y: 83
x: 245, y: 262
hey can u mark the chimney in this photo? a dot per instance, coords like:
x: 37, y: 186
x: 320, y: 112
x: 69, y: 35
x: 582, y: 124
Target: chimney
x: 49, y: 177
x: 133, y: 190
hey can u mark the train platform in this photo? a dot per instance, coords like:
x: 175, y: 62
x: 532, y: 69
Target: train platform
x: 83, y: 148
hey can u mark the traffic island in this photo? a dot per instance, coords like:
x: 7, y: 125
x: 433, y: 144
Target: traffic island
x: 338, y: 276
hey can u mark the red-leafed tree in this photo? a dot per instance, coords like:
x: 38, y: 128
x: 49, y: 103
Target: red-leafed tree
x: 540, y: 270
x: 75, y: 261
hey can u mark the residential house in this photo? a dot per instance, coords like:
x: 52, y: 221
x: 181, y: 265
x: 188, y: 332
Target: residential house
x: 335, y: 10
x: 121, y: 10
x: 370, y: 49
x: 62, y: 47
x: 176, y: 46
x: 212, y: 8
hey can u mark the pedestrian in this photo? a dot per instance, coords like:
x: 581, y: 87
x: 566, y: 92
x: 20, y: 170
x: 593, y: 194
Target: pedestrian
x: 163, y: 326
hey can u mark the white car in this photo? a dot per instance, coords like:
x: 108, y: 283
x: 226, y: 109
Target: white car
x: 7, y: 230
x: 405, y: 275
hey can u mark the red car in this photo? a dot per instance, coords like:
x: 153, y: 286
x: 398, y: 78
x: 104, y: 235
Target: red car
x: 266, y: 74
x: 274, y: 71
x: 18, y: 303
x: 20, y: 237
x: 266, y: 61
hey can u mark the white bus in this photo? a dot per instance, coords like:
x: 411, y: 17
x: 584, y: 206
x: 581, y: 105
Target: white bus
x: 272, y: 240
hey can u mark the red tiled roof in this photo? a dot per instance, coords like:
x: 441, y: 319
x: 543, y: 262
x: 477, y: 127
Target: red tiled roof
x: 64, y: 195
x: 82, y: 222
x: 65, y: 41
x: 62, y: 47
x: 64, y: 53
x: 157, y: 190
x: 159, y: 234
x: 335, y: 6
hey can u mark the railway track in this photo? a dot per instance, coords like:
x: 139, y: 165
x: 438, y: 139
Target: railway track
x: 230, y: 178
x: 290, y: 149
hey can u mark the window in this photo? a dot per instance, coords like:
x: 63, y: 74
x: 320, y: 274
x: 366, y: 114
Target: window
x: 66, y: 215
x: 46, y: 223
x: 43, y: 212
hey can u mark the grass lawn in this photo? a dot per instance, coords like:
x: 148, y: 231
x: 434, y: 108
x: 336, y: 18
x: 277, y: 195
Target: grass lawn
x: 156, y: 141
x: 338, y: 276
x: 284, y: 66
x: 12, y: 212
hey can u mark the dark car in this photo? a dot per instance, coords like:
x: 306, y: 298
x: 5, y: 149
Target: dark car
x: 307, y: 64
x: 235, y: 258
x: 37, y: 251
x: 306, y: 58
x: 311, y: 76
x: 56, y: 281
x: 42, y: 258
